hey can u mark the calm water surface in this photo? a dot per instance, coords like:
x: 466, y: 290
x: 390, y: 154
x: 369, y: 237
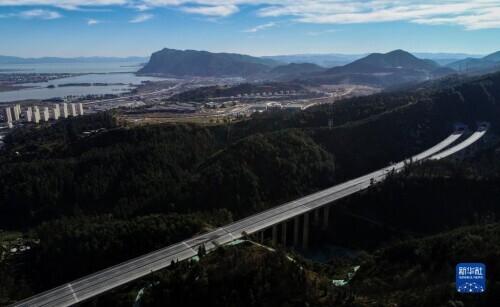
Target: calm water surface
x: 120, y: 82
x: 76, y: 68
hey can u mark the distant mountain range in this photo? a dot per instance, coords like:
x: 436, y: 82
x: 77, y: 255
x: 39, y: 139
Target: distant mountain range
x: 388, y: 69
x: 55, y: 60
x: 338, y: 59
x: 489, y: 63
x: 396, y: 67
x: 377, y: 69
x: 171, y: 62
x: 445, y: 58
x: 325, y: 60
x: 293, y: 70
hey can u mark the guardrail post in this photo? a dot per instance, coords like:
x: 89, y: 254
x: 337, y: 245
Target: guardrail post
x: 305, y: 233
x: 326, y: 216
x: 296, y: 222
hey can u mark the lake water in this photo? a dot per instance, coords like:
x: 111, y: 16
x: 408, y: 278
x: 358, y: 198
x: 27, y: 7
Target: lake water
x: 120, y: 82
x: 40, y: 90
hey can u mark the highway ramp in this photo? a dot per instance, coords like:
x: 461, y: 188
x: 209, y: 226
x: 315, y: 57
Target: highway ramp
x: 469, y: 141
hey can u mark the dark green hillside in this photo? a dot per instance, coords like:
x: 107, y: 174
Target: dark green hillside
x: 294, y: 70
x: 248, y: 276
x: 158, y: 169
x: 262, y: 170
x: 390, y: 69
x: 489, y: 63
x: 204, y: 93
x: 421, y: 272
x: 415, y: 272
x: 395, y: 59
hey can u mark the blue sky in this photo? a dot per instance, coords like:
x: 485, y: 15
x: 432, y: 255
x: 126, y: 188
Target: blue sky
x: 67, y: 28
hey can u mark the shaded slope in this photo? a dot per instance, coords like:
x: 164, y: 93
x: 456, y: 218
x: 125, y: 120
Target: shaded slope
x: 204, y: 64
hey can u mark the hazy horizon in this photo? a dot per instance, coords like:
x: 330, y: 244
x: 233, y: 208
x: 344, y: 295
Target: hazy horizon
x: 458, y: 54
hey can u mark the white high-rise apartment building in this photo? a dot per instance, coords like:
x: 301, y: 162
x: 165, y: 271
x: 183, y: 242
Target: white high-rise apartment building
x: 17, y: 111
x: 46, y: 114
x: 73, y: 110
x: 29, y: 114
x: 65, y: 110
x: 8, y: 115
x: 80, y: 105
x: 57, y: 111
x: 37, y: 114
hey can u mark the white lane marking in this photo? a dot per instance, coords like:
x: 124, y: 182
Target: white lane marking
x: 189, y: 247
x: 73, y: 292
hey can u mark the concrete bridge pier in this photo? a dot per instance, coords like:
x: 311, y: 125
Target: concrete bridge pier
x: 283, y: 233
x: 279, y: 232
x: 296, y: 222
x: 316, y: 216
x: 305, y: 231
x: 326, y: 216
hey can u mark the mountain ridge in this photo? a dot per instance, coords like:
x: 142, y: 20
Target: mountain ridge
x: 382, y: 69
x: 205, y: 64
x: 488, y: 63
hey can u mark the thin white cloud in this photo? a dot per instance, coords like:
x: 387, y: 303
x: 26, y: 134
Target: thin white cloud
x: 63, y: 3
x: 318, y: 33
x: 141, y: 18
x: 141, y: 7
x: 473, y: 14
x: 92, y: 22
x: 469, y: 14
x: 261, y: 27
x: 39, y: 14
x: 217, y: 10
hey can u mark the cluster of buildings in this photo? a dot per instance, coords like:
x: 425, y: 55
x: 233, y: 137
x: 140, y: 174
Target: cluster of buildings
x: 277, y: 106
x: 277, y: 93
x: 36, y: 114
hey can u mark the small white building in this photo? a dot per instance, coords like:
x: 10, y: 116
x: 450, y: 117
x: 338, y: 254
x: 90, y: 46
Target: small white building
x: 8, y: 115
x: 259, y: 108
x: 211, y: 105
x: 273, y: 106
